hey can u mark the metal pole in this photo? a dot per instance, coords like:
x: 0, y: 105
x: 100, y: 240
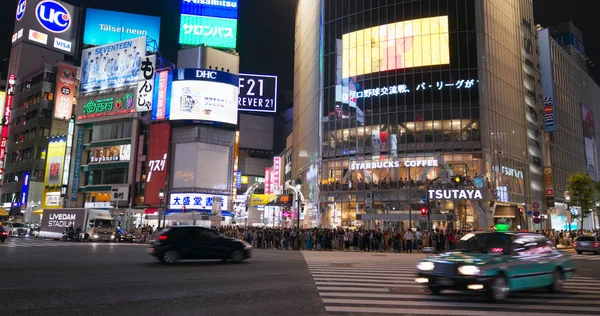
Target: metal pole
x: 298, y: 218
x: 409, y: 200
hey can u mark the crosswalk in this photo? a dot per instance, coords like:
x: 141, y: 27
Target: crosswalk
x: 587, y: 257
x: 389, y: 288
x: 42, y: 243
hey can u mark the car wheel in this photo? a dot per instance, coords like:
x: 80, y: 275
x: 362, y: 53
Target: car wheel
x: 237, y: 256
x: 557, y: 282
x: 579, y: 252
x: 435, y: 290
x: 171, y: 257
x: 499, y: 289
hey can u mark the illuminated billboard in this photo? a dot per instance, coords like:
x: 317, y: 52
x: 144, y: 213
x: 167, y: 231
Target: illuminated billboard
x: 204, y: 95
x: 105, y: 27
x: 54, y: 171
x: 108, y: 106
x: 219, y: 9
x: 66, y: 82
x: 589, y: 134
x: 51, y: 24
x: 203, y: 30
x: 258, y: 93
x: 112, y: 66
x: 400, y: 45
x: 157, y: 168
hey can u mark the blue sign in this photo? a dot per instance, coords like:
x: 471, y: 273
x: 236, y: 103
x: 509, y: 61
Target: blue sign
x: 105, y: 27
x: 207, y: 75
x: 53, y: 16
x: 77, y: 166
x: 215, y: 8
x: 25, y: 189
x: 424, y: 199
x: 21, y: 9
x: 238, y: 180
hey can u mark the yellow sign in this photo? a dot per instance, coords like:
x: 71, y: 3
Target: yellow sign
x: 244, y: 179
x: 261, y: 199
x: 406, y: 44
x: 55, y: 160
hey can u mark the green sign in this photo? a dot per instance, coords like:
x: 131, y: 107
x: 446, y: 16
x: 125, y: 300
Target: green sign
x: 214, y: 32
x: 108, y: 104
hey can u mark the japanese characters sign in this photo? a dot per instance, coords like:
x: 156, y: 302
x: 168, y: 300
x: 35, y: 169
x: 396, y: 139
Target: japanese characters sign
x: 405, y: 89
x: 65, y: 91
x: 195, y: 201
x: 214, y: 32
x: 119, y: 193
x: 156, y: 170
x: 105, y: 107
x: 215, y: 8
x: 146, y: 84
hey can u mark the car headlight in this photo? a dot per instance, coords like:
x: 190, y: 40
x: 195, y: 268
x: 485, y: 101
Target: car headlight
x: 95, y: 236
x: 468, y: 270
x: 425, y: 266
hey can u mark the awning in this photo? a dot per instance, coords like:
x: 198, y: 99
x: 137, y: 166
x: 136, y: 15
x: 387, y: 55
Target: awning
x: 151, y: 210
x: 39, y: 212
x: 505, y: 211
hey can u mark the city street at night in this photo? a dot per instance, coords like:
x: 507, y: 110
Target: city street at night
x: 42, y: 277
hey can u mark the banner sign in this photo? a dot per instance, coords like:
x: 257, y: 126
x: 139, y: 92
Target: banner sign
x: 65, y: 91
x: 195, y: 201
x: 77, y: 166
x: 455, y: 194
x: 106, y: 107
x: 162, y: 94
x: 146, y: 84
x: 156, y: 170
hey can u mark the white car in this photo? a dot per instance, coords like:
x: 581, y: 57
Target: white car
x: 15, y: 229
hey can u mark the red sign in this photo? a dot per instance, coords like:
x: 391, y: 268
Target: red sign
x: 537, y: 220
x: 156, y: 167
x: 161, y: 102
x: 549, y: 191
x: 535, y: 205
x: 10, y: 92
x: 65, y: 91
x: 267, y: 180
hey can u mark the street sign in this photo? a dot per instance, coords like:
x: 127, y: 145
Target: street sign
x: 549, y: 191
x: 537, y: 220
x: 529, y: 213
x: 536, y: 214
x: 424, y: 199
x: 535, y: 205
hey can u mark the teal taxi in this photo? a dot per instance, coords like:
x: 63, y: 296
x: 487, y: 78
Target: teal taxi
x: 497, y: 263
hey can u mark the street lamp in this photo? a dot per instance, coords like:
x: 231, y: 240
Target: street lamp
x: 298, y: 188
x: 161, y: 197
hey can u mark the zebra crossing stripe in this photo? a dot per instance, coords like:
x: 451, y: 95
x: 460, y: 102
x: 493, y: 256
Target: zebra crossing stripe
x: 350, y: 289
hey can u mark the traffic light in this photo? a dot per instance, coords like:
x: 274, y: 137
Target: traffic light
x: 424, y: 212
x: 457, y: 179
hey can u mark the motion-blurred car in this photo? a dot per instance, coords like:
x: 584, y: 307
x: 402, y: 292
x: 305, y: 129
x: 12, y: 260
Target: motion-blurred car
x: 497, y: 263
x: 123, y: 236
x: 15, y: 229
x: 587, y: 244
x: 193, y: 242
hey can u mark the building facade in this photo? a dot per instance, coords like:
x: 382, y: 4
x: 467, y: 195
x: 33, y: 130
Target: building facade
x: 411, y: 95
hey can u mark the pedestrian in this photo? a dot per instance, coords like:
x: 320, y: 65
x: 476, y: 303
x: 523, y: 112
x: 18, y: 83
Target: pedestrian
x: 409, y: 239
x: 419, y: 240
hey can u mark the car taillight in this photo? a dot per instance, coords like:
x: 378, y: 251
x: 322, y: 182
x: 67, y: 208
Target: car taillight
x: 574, y: 244
x: 596, y: 244
x: 162, y: 237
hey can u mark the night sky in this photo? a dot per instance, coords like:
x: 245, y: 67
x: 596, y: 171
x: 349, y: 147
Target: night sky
x: 266, y: 29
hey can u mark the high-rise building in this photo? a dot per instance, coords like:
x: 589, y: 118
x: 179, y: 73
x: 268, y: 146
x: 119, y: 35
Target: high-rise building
x: 418, y: 104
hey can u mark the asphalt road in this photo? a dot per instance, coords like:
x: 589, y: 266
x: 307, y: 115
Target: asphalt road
x: 58, y: 278
x: 40, y: 277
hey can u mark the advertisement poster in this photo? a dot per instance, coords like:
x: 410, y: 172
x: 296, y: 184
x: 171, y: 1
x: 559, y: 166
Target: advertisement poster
x: 112, y: 66
x: 65, y: 91
x: 161, y: 107
x: 57, y: 221
x: 219, y: 9
x: 146, y: 84
x: 258, y: 93
x: 53, y: 175
x: 205, y: 95
x: 96, y: 108
x: 589, y: 134
x: 399, y: 45
x: 106, y: 27
x: 77, y: 164
x: 196, y: 201
x: 156, y: 170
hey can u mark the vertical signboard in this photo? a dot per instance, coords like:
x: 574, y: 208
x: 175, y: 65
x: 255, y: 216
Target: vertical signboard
x: 10, y: 92
x: 162, y: 94
x: 589, y: 134
x: 549, y: 186
x: 77, y: 164
x: 547, y: 80
x: 156, y: 169
x: 65, y: 91
x: 24, y: 189
x: 146, y: 84
x: 54, y: 170
x: 267, y: 180
x: 67, y: 166
x: 276, y: 174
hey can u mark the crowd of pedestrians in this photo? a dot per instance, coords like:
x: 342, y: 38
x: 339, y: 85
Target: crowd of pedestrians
x: 391, y: 240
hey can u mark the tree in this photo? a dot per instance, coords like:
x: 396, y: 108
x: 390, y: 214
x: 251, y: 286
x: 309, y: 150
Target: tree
x: 581, y: 188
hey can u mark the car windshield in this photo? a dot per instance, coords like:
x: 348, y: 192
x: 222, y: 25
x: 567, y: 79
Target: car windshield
x: 586, y: 238
x: 18, y: 225
x: 103, y: 223
x: 484, y: 243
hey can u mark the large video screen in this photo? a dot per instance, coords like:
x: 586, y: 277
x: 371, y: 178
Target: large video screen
x: 399, y: 45
x: 105, y: 27
x: 201, y: 165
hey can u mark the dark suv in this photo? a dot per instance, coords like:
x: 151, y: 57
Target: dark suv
x: 192, y: 242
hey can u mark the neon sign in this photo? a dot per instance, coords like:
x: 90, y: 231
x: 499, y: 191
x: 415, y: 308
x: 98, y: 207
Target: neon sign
x: 405, y: 89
